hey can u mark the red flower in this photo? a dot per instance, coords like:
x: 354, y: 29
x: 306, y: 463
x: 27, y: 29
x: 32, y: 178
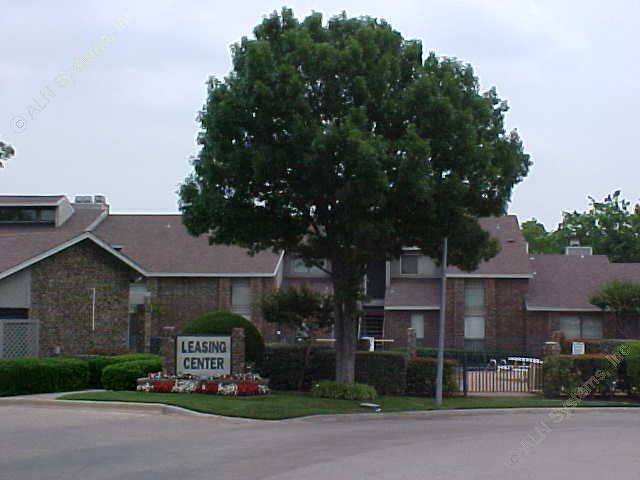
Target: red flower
x: 247, y: 388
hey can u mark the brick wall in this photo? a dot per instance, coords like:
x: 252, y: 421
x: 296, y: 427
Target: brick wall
x: 175, y: 301
x: 396, y: 323
x: 61, y: 299
x: 505, y: 317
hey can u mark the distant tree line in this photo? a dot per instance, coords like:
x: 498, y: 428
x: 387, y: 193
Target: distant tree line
x: 611, y: 227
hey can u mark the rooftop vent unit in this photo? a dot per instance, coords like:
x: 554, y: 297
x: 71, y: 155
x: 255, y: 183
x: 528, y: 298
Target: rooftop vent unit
x: 578, y: 251
x: 84, y: 199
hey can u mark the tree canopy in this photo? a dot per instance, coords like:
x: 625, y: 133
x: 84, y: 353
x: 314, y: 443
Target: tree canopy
x: 619, y: 297
x: 302, y: 308
x: 6, y: 152
x: 611, y: 227
x: 340, y: 141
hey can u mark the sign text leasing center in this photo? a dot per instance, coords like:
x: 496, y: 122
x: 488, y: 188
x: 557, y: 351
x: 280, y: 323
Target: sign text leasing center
x: 203, y: 356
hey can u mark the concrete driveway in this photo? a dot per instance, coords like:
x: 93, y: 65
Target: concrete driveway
x: 80, y: 443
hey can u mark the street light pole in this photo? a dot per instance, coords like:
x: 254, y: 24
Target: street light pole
x: 443, y: 316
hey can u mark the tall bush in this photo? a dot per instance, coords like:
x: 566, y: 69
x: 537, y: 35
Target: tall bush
x: 632, y: 364
x: 421, y: 377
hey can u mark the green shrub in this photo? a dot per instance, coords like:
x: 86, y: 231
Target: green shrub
x: 564, y: 374
x: 42, y: 375
x: 631, y: 364
x: 221, y: 323
x: 592, y: 346
x: 282, y: 365
x: 559, y: 376
x: 99, y: 363
x: 386, y: 371
x: 343, y: 391
x: 123, y: 376
x: 421, y: 377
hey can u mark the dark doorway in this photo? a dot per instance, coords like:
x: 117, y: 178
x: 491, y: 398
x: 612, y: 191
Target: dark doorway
x: 376, y: 280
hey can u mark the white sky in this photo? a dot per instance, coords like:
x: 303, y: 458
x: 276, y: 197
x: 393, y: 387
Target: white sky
x: 101, y: 97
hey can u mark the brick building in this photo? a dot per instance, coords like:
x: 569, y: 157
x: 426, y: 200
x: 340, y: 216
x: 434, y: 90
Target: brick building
x: 75, y: 278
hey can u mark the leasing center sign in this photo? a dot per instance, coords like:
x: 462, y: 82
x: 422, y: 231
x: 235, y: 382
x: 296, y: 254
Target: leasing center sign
x: 203, y: 356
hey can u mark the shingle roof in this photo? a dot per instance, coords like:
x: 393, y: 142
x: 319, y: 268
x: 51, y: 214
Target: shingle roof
x: 566, y: 282
x: 161, y: 244
x: 30, y: 199
x: 512, y: 258
x: 19, y: 243
x: 413, y: 293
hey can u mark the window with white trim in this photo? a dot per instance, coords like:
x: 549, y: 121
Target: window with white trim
x: 474, y: 310
x: 417, y: 323
x: 241, y: 297
x: 581, y: 327
x: 415, y: 264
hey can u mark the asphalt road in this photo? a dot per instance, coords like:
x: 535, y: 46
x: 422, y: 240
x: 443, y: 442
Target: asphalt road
x: 38, y: 443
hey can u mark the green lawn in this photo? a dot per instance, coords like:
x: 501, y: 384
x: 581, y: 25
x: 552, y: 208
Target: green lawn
x: 279, y: 405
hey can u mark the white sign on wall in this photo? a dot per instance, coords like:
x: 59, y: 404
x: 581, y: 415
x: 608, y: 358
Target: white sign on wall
x: 577, y: 348
x: 203, y: 356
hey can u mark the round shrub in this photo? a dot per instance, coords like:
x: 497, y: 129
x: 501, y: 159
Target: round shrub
x: 221, y: 323
x: 123, y: 376
x: 99, y: 363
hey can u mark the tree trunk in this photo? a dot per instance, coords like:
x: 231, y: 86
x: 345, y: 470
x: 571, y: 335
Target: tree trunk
x: 345, y: 333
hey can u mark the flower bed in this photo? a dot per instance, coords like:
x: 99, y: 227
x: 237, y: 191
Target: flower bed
x: 234, y: 385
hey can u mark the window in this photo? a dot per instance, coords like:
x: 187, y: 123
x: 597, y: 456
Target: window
x: 414, y: 264
x: 474, y: 327
x: 409, y: 264
x: 581, y: 327
x: 417, y: 323
x: 241, y: 298
x: 298, y: 266
x: 27, y: 215
x: 474, y: 309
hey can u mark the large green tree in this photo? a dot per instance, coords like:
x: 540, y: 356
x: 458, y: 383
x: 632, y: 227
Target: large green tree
x: 6, y: 152
x: 339, y: 141
x: 610, y: 226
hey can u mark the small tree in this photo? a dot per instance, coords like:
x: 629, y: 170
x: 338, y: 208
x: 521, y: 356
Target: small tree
x: 619, y: 297
x: 6, y: 152
x: 303, y: 309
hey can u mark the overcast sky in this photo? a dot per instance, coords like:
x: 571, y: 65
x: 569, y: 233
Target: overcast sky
x: 102, y: 97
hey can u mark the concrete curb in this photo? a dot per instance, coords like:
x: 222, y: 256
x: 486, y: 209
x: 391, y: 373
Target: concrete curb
x: 164, y: 409
x: 140, y: 407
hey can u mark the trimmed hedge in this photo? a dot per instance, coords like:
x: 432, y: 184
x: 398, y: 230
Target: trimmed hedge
x: 221, y: 323
x: 283, y: 366
x: 99, y: 363
x: 42, y: 375
x: 631, y: 364
x: 592, y: 346
x: 564, y: 374
x: 421, y: 377
x: 343, y: 391
x: 385, y: 371
x: 123, y: 376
